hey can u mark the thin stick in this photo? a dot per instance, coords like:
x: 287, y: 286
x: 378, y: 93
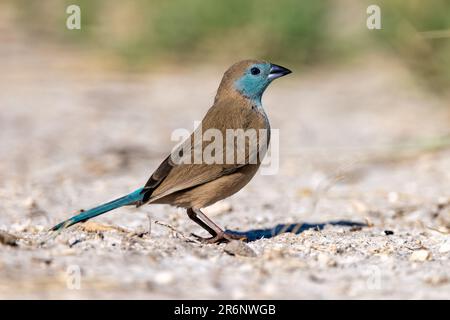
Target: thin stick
x: 178, y: 233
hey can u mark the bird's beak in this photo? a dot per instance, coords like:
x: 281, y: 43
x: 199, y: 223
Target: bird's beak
x: 277, y: 71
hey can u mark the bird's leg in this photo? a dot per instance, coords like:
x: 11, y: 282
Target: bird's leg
x: 193, y: 216
x: 218, y: 235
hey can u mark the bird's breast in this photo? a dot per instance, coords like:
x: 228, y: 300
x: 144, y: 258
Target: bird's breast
x: 264, y: 119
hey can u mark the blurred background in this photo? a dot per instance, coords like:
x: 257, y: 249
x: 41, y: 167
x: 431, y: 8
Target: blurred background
x: 86, y: 115
x: 137, y: 35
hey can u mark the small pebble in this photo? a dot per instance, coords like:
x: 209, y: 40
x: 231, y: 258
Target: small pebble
x: 75, y: 240
x: 239, y: 248
x: 388, y: 232
x: 445, y: 247
x: 420, y: 255
x: 8, y: 239
x: 164, y: 278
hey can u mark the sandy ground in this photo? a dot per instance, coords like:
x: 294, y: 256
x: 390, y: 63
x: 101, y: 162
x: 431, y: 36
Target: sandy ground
x: 356, y: 145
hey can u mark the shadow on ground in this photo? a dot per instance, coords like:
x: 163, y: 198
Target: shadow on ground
x: 297, y: 228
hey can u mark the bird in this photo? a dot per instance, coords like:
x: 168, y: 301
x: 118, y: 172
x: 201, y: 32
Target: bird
x: 194, y: 185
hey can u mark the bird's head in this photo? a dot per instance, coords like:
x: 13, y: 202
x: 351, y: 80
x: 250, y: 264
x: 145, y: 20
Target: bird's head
x: 250, y: 78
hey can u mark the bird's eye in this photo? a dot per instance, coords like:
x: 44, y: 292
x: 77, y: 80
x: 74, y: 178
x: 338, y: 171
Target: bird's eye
x: 255, y: 71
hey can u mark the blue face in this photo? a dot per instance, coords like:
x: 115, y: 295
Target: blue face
x: 254, y: 81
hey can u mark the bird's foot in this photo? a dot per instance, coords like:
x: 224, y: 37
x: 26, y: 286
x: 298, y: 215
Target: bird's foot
x: 220, y: 238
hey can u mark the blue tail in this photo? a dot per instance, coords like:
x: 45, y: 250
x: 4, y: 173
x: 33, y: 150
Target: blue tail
x: 131, y: 198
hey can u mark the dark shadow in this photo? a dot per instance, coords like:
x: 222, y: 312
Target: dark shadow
x: 297, y: 228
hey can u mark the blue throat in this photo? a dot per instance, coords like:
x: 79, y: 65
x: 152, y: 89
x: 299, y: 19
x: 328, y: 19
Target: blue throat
x: 253, y: 90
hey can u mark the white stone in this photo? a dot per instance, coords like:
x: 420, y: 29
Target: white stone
x: 420, y: 255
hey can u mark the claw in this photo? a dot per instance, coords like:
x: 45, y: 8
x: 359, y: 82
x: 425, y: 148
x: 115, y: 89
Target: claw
x: 219, y: 238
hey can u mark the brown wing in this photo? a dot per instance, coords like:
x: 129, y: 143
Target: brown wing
x: 171, y: 177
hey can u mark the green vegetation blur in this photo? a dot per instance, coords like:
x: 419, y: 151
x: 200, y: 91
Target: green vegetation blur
x: 301, y: 32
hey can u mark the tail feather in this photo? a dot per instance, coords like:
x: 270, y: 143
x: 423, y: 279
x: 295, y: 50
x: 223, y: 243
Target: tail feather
x: 131, y: 198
